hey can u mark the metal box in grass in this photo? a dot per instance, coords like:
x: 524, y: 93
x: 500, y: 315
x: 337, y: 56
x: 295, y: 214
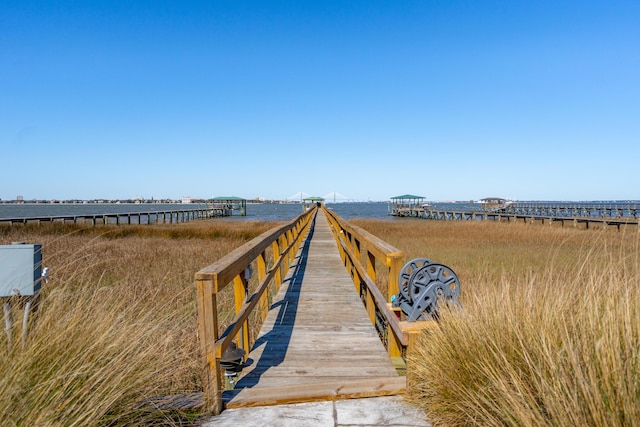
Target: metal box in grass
x: 20, y: 269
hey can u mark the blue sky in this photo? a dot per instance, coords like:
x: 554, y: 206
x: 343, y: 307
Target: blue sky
x: 531, y: 100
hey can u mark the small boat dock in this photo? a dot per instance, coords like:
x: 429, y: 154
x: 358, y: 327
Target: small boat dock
x: 408, y: 205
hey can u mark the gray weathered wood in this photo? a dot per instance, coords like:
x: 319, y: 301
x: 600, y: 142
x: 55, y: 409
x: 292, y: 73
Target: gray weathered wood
x: 317, y: 341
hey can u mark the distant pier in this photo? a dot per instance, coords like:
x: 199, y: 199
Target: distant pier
x: 574, y: 221
x: 154, y: 217
x: 596, y: 215
x: 576, y: 210
x: 594, y: 222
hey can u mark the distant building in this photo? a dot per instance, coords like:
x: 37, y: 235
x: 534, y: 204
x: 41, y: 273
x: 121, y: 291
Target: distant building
x: 186, y: 199
x: 20, y: 199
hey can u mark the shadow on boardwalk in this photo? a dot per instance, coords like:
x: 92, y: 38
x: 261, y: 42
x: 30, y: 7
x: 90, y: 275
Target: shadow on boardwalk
x: 276, y: 341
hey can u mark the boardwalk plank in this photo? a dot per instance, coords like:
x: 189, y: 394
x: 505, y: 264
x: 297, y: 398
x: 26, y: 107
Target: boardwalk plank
x: 369, y: 387
x: 317, y: 342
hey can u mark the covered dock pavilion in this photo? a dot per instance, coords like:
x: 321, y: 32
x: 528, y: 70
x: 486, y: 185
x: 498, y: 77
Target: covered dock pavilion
x: 229, y: 204
x: 406, y: 205
x: 308, y: 202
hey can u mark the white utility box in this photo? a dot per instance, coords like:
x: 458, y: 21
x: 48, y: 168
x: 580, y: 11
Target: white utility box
x: 20, y: 269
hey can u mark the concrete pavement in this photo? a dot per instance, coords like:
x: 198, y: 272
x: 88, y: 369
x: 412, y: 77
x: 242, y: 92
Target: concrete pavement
x: 374, y: 411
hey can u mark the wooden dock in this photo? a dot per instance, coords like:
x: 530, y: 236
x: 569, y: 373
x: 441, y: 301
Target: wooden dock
x: 586, y: 222
x: 178, y: 215
x: 317, y: 342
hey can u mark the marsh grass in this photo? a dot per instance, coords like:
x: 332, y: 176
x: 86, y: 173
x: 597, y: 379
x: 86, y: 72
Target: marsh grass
x: 116, y: 323
x: 549, y: 333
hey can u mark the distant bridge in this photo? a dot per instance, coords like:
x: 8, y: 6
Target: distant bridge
x: 334, y: 196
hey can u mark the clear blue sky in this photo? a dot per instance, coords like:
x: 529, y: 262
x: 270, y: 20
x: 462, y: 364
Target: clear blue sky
x: 371, y: 99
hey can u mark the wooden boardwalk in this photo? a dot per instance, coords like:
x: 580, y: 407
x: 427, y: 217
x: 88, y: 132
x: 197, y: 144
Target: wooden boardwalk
x: 601, y: 222
x: 317, y: 342
x: 147, y: 217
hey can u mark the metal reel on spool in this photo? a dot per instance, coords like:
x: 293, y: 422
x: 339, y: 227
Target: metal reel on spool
x: 426, y: 288
x: 405, y: 276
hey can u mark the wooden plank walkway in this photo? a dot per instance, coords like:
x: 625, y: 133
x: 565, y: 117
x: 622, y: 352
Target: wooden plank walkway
x: 317, y: 342
x: 602, y: 222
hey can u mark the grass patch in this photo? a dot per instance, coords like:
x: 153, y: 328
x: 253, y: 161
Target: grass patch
x: 549, y: 334
x: 550, y: 330
x: 116, y: 323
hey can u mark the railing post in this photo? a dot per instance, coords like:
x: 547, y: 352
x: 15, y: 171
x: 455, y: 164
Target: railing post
x: 284, y: 243
x: 287, y: 241
x: 394, y: 263
x: 275, y: 248
x: 208, y: 329
x: 299, y: 237
x: 371, y: 264
x: 262, y: 272
x: 292, y: 254
x: 371, y: 307
x: 240, y: 290
x: 297, y: 227
x: 394, y: 345
x: 356, y: 250
x: 347, y: 260
x: 337, y: 231
x: 343, y: 253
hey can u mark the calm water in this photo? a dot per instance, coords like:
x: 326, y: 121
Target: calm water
x: 270, y: 212
x: 56, y: 209
x: 262, y: 212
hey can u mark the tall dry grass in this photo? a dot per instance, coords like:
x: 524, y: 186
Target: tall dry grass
x: 549, y: 334
x: 550, y: 329
x: 116, y: 323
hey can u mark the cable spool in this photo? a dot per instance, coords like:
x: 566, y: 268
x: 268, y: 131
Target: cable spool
x: 424, y: 285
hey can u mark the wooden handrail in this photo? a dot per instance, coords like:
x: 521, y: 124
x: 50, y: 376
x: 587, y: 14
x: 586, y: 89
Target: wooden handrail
x: 379, y: 299
x: 284, y: 242
x: 359, y: 250
x: 356, y: 243
x: 603, y: 222
x: 390, y: 256
x: 229, y: 266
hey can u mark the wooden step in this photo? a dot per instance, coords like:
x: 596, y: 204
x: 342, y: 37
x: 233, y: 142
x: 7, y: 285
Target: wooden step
x: 334, y: 390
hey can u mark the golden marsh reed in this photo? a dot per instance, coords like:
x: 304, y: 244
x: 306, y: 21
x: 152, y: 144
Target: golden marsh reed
x: 549, y: 334
x: 550, y: 328
x: 115, y: 324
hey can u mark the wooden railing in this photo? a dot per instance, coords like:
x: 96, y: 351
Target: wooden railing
x: 360, y: 250
x: 601, y: 222
x: 283, y: 243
